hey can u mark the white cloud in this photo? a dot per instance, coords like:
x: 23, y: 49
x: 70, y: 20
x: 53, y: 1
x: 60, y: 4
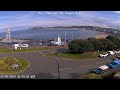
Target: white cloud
x: 83, y: 18
x: 19, y: 20
x: 117, y: 12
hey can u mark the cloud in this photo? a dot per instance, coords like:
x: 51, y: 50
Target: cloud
x: 16, y: 20
x: 117, y: 12
x: 84, y: 18
x: 97, y: 18
x: 100, y: 19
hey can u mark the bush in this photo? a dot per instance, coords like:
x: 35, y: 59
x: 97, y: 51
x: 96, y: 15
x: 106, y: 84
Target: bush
x: 107, y: 44
x: 114, y: 39
x: 74, y: 46
x: 92, y: 44
x: 80, y: 46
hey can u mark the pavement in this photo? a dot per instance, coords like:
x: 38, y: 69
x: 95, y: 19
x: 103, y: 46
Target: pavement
x: 44, y: 67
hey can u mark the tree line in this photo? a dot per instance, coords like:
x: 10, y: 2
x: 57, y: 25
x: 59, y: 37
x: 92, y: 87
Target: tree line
x: 92, y: 44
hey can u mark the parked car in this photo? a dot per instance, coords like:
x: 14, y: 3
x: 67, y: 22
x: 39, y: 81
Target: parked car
x: 114, y: 64
x: 116, y: 58
x: 101, y: 69
x: 111, y: 52
x: 103, y: 55
x: 117, y: 52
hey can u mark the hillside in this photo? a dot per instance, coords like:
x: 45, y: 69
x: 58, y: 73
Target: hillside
x: 93, y: 28
x: 35, y: 28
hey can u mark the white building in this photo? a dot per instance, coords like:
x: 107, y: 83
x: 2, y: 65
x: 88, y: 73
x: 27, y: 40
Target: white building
x: 57, y: 41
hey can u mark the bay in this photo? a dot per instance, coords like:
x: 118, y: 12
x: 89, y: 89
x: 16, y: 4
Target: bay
x: 50, y: 34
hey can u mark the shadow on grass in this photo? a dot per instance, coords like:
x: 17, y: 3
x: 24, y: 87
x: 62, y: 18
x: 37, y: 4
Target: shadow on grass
x: 110, y: 76
x: 42, y: 75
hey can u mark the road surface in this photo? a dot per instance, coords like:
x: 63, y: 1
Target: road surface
x: 46, y: 67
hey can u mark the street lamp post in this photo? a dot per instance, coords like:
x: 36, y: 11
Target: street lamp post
x: 58, y: 69
x: 58, y: 66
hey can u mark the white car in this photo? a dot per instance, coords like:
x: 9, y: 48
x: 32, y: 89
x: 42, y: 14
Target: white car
x: 117, y: 52
x: 101, y: 69
x: 104, y: 67
x: 103, y: 55
x: 111, y: 52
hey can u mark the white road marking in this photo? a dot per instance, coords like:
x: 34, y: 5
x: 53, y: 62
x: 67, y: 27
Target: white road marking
x: 83, y: 66
x: 65, y: 68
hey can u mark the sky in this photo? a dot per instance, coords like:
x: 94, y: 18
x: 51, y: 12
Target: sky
x: 59, y: 18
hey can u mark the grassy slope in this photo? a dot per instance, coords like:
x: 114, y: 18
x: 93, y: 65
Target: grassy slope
x: 7, y: 62
x: 5, y: 50
x: 89, y: 55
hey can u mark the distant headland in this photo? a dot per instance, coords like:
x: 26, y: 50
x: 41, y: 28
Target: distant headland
x: 73, y: 27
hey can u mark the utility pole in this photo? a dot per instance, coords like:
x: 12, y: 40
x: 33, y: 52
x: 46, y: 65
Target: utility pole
x: 8, y: 36
x: 72, y: 35
x: 65, y: 37
x: 58, y: 65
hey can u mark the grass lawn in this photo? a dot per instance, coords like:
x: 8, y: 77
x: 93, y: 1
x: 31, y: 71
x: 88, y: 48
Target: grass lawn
x: 29, y: 49
x: 6, y: 65
x: 4, y: 50
x: 85, y: 56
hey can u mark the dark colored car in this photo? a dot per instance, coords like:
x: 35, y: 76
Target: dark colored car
x: 97, y: 71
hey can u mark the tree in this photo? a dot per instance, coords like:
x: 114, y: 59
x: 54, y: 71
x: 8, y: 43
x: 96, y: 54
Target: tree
x: 114, y: 39
x: 107, y: 44
x: 74, y: 46
x: 89, y: 46
x: 91, y: 39
x: 92, y: 44
x: 97, y: 44
x: 80, y: 46
x: 110, y: 45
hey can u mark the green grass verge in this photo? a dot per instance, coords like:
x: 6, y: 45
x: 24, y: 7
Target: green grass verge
x: 85, y: 56
x: 4, y: 50
x: 29, y: 49
x: 91, y: 76
x: 7, y: 62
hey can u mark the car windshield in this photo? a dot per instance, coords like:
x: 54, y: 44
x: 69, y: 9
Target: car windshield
x: 113, y: 63
x: 98, y: 69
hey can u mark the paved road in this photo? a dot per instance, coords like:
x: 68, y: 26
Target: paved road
x: 46, y: 68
